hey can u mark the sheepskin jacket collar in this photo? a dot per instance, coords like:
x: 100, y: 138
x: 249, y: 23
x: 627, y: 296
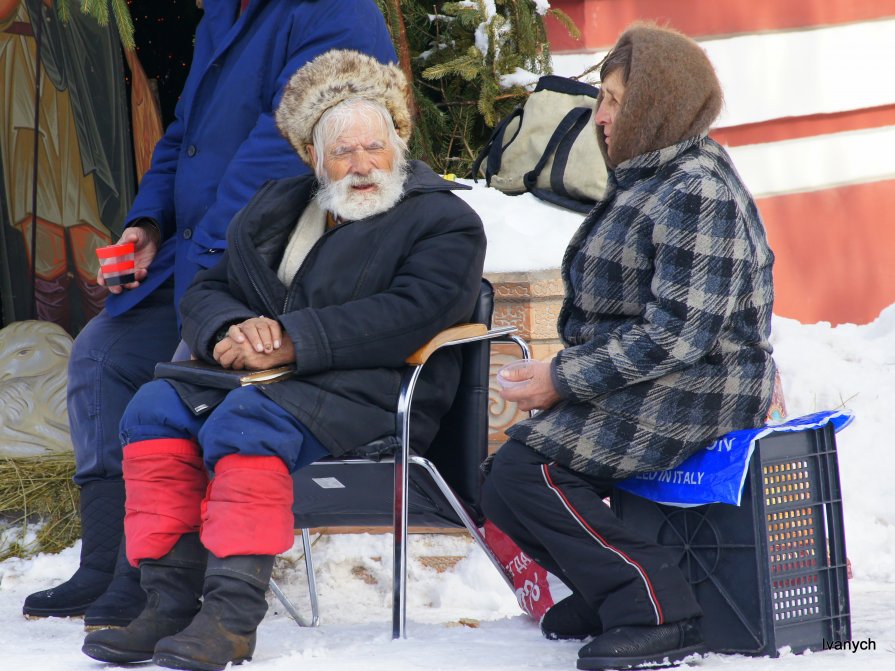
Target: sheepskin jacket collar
x: 672, y: 94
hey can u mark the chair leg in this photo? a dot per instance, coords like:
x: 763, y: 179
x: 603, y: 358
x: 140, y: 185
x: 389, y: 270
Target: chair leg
x: 399, y: 550
x: 399, y: 554
x: 312, y: 588
x: 479, y: 539
x: 402, y: 485
x: 464, y: 517
x: 312, y: 580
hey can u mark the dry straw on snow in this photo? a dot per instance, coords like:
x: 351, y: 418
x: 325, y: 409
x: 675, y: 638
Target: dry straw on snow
x: 38, y: 505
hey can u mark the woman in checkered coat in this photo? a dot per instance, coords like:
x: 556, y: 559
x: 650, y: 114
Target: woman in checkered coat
x: 666, y: 318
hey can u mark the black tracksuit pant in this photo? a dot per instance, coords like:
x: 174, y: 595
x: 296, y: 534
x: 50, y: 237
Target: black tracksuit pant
x: 558, y: 517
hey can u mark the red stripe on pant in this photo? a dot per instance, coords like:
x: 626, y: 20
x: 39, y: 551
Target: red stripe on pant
x: 248, y: 510
x: 165, y: 482
x: 604, y: 543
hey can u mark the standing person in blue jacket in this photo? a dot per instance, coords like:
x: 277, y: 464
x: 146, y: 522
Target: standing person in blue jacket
x: 212, y: 159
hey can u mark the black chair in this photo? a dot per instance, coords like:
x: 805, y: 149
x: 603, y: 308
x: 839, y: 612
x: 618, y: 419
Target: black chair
x: 440, y: 489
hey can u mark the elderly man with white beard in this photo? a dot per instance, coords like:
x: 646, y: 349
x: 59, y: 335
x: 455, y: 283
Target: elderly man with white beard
x: 342, y: 276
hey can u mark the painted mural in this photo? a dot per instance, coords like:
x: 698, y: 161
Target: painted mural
x: 65, y: 186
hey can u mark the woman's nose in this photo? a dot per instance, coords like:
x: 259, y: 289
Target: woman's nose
x: 601, y: 118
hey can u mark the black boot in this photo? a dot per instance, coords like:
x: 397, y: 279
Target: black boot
x: 122, y: 601
x: 173, y: 585
x: 571, y: 619
x: 232, y: 608
x: 102, y: 526
x: 635, y: 646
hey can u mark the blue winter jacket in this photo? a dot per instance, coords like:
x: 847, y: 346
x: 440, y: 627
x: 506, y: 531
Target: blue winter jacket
x: 223, y: 143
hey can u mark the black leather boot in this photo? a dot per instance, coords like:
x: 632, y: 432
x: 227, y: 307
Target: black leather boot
x: 173, y: 585
x: 571, y: 619
x: 122, y: 601
x: 102, y: 527
x: 634, y: 646
x: 224, y: 631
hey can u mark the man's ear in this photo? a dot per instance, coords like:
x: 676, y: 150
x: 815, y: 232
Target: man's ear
x: 312, y: 152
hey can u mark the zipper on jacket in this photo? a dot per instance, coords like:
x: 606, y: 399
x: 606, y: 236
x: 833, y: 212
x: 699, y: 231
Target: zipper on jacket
x: 308, y: 257
x: 245, y: 266
x: 237, y: 248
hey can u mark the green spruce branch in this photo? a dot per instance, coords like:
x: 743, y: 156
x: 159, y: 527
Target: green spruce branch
x: 101, y: 10
x: 460, y: 54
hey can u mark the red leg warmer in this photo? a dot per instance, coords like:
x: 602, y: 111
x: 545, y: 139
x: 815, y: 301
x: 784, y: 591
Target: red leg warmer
x: 248, y: 510
x: 165, y: 481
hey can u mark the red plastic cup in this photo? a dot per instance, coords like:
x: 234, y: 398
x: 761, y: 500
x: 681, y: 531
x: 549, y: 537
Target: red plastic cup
x: 117, y: 263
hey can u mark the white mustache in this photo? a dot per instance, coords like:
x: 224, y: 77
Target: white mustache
x: 375, y: 178
x: 342, y: 200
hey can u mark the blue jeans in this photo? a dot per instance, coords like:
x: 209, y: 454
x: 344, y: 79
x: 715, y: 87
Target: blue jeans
x: 110, y: 359
x: 246, y: 422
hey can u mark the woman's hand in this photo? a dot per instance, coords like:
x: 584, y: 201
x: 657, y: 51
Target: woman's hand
x: 538, y: 393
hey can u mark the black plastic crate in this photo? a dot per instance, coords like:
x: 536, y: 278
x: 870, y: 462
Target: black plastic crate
x: 772, y: 572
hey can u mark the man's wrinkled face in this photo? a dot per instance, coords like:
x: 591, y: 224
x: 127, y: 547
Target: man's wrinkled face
x: 362, y: 174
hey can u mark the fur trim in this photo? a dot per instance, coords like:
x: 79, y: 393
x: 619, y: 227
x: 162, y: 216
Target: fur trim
x: 331, y: 78
x: 672, y: 93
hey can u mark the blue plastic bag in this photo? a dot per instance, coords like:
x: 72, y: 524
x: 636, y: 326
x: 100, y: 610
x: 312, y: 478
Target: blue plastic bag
x: 717, y: 474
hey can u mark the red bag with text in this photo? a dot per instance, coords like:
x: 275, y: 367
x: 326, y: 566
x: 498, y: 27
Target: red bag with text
x: 536, y: 588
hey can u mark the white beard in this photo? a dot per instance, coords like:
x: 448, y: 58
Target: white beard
x: 350, y: 205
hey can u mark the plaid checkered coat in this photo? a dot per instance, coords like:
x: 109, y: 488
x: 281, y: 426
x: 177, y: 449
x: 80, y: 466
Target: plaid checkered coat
x: 666, y: 318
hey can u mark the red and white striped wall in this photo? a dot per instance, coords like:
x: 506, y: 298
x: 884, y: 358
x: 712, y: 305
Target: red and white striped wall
x: 809, y: 120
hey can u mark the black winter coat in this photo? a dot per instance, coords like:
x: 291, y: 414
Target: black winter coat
x: 368, y: 294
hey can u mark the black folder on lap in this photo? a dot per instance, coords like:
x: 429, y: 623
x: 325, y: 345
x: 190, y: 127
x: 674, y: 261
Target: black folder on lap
x: 205, y: 374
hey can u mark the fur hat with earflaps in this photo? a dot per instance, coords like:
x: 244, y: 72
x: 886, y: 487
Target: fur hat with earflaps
x: 331, y: 78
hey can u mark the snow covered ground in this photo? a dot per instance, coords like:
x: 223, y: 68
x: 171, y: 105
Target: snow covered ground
x: 822, y: 367
x: 356, y: 620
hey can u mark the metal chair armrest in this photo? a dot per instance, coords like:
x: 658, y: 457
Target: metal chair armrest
x: 456, y: 335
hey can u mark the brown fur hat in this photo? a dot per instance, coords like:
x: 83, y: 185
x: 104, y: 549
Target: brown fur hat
x: 331, y: 78
x: 672, y: 93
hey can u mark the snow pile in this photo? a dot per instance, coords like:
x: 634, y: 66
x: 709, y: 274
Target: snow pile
x: 851, y: 367
x: 524, y: 233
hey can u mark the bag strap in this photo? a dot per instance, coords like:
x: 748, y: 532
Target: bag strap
x: 564, y: 148
x: 493, y: 149
x: 565, y: 85
x: 560, y: 146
